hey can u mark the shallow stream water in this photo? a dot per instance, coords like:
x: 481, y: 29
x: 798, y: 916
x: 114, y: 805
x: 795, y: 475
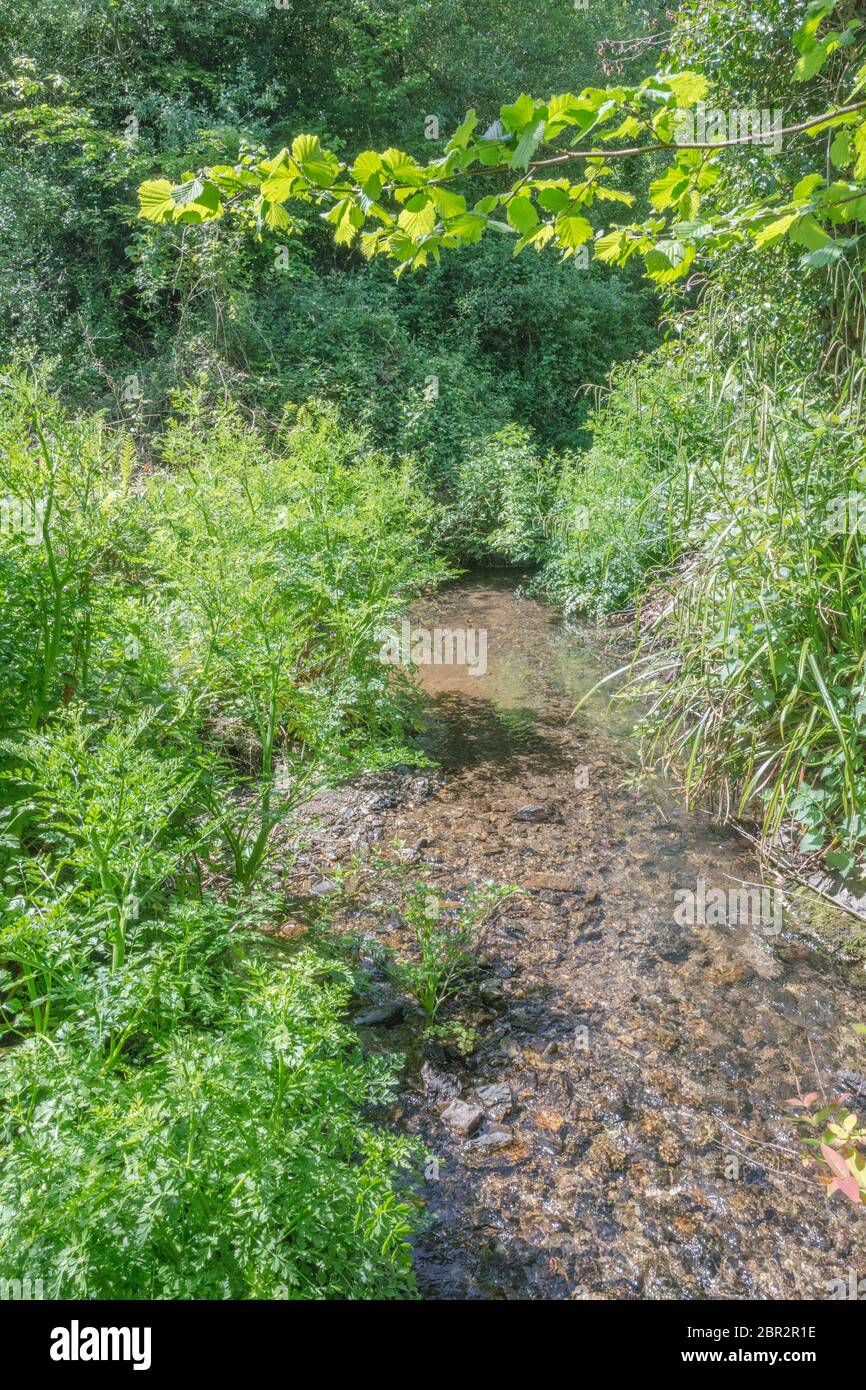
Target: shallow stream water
x: 647, y: 1061
x: 637, y: 1145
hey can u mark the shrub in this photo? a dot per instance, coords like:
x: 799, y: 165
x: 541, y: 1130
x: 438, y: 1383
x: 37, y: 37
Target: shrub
x: 503, y: 494
x: 755, y: 670
x: 440, y: 958
x: 620, y: 509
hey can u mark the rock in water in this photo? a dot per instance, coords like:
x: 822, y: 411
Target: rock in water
x: 385, y: 1016
x: 463, y: 1118
x: 441, y: 1085
x: 496, y: 1137
x: 324, y: 888
x: 537, y: 813
x: 496, y: 1099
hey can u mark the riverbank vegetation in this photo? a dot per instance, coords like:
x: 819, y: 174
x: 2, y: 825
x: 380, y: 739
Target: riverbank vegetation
x: 232, y: 449
x: 199, y: 656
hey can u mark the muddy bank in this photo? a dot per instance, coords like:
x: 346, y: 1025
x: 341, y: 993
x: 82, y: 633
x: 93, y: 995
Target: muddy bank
x: 622, y: 1131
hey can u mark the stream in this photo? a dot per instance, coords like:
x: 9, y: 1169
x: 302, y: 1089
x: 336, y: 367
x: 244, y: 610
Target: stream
x: 631, y: 1066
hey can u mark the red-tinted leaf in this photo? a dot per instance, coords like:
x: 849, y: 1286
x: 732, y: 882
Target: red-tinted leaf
x: 835, y: 1162
x: 849, y: 1186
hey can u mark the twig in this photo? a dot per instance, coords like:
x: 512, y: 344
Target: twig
x: 781, y: 863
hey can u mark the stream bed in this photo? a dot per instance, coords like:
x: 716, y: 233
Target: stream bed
x: 631, y: 1065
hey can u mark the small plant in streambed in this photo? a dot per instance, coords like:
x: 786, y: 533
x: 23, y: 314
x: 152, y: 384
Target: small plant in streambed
x: 838, y: 1143
x: 441, y: 955
x: 456, y: 1036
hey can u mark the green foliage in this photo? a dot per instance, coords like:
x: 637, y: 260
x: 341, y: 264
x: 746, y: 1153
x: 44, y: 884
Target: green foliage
x: 128, y: 314
x: 433, y: 365
x: 66, y: 514
x: 732, y: 495
x: 502, y: 497
x: 764, y: 696
x: 189, y: 601
x: 838, y: 1142
x: 407, y: 210
x: 617, y: 517
x: 187, y: 644
x: 439, y: 961
x: 180, y: 1110
x: 226, y: 1162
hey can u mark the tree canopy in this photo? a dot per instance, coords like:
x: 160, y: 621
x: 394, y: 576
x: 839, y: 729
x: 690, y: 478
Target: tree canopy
x: 551, y: 161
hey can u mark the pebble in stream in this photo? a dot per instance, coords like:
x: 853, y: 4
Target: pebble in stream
x: 620, y: 1130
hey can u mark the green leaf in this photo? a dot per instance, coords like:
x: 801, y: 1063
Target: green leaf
x: 196, y: 191
x: 774, y: 231
x: 279, y: 186
x: 687, y: 87
x: 816, y: 13
x: 519, y: 115
x: 613, y: 247
x: 340, y: 217
x: 612, y: 195
x: 823, y: 256
x: 274, y: 215
x: 446, y: 203
x: 553, y: 199
x: 370, y: 244
x: 366, y: 165
x: 625, y: 130
x: 526, y: 147
x: 155, y: 202
x: 810, y: 62
x: 807, y: 232
x: 808, y: 185
x: 840, y: 150
x: 841, y: 859
x: 418, y: 218
x: 349, y: 224
x: 468, y: 228
x: 572, y: 230
x: 230, y: 180
x: 195, y: 200
x: 539, y: 236
x: 460, y: 139
x: 665, y: 191
x: 315, y: 164
x: 669, y: 260
x: 521, y: 214
x: 403, y: 168
x: 562, y: 111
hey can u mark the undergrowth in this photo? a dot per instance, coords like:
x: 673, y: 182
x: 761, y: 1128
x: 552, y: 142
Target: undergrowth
x: 183, y: 1114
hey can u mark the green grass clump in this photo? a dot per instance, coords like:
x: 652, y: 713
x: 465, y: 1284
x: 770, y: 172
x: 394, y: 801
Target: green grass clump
x: 724, y: 497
